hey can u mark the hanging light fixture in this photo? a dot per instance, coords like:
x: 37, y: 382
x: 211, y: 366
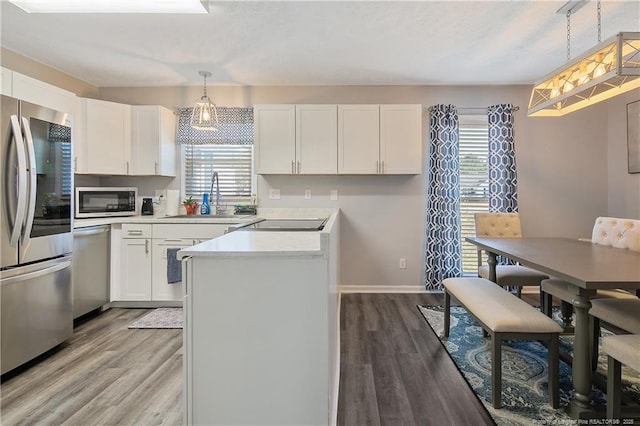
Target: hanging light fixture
x: 609, y: 69
x: 205, y: 115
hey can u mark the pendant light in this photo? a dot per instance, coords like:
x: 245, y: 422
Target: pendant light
x: 609, y: 69
x: 205, y: 115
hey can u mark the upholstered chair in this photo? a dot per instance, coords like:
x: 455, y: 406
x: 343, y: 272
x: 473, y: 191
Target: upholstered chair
x: 505, y: 225
x: 617, y: 307
x: 620, y: 350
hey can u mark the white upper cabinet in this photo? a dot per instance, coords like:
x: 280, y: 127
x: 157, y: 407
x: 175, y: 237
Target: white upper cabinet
x: 153, y: 141
x: 358, y: 139
x: 338, y: 139
x: 296, y: 139
x: 380, y: 139
x: 316, y: 139
x: 401, y: 139
x: 6, y: 85
x: 105, y: 136
x: 40, y: 93
x: 275, y: 138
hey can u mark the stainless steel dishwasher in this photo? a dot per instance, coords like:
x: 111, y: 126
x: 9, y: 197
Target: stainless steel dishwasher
x: 92, y: 256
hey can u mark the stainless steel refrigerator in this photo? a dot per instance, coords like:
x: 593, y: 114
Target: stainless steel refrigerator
x: 36, y: 236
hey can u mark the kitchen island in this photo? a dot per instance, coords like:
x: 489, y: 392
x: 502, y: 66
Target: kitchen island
x: 261, y: 336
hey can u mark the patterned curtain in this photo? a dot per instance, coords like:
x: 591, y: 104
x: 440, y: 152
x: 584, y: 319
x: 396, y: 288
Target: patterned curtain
x: 443, y: 236
x: 236, y: 128
x: 503, y: 182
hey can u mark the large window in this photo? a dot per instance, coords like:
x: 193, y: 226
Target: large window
x: 233, y: 164
x: 474, y: 187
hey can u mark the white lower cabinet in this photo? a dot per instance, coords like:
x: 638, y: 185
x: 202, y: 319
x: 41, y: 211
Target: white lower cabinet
x: 160, y: 288
x: 143, y: 258
x: 135, y: 262
x: 167, y: 236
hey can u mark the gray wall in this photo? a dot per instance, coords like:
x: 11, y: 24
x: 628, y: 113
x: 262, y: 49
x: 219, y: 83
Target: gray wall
x: 570, y: 170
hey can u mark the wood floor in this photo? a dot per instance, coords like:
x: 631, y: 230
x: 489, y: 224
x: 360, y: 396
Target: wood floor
x: 105, y: 374
x: 393, y: 372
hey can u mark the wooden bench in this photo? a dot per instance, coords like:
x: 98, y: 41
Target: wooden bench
x: 504, y: 317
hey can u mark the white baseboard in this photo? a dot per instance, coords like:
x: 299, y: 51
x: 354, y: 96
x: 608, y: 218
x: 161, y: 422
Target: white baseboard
x: 382, y: 289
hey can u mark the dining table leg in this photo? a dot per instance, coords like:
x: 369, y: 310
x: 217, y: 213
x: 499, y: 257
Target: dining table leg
x: 579, y: 407
x: 492, y: 261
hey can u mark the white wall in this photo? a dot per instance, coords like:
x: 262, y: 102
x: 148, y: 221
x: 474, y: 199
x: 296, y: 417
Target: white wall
x: 623, y: 187
x: 562, y: 171
x: 571, y: 170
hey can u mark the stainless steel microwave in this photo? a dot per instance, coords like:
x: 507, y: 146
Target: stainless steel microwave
x: 104, y: 202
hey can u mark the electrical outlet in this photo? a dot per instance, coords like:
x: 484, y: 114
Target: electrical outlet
x: 307, y: 194
x: 274, y: 194
x: 333, y: 195
x: 402, y: 264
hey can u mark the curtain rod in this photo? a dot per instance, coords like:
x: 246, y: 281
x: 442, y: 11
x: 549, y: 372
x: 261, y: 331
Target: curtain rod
x: 515, y: 108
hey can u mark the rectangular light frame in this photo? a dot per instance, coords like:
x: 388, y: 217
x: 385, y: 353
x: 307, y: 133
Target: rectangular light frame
x: 607, y: 70
x: 113, y: 6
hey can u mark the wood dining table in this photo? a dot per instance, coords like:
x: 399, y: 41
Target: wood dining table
x: 587, y: 267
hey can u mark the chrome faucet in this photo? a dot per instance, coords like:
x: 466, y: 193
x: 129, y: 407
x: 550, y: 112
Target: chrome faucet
x: 215, y: 179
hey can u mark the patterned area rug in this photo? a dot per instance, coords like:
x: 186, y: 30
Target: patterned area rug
x: 525, y: 398
x: 160, y: 318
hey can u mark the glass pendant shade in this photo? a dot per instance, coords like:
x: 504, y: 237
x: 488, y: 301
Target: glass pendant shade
x: 205, y: 115
x: 609, y: 69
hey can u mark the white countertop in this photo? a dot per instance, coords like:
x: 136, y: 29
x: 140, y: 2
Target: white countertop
x: 83, y: 223
x: 268, y: 213
x: 265, y: 243
x: 298, y: 243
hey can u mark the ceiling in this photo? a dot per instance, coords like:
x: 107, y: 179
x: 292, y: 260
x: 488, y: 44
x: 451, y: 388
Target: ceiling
x: 258, y: 43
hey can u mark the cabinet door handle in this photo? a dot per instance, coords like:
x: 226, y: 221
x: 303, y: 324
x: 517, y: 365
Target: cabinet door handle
x: 156, y: 168
x: 75, y: 164
x: 127, y: 167
x: 134, y: 232
x: 377, y: 167
x: 146, y: 246
x: 293, y: 167
x: 382, y: 167
x: 194, y: 242
x: 298, y: 167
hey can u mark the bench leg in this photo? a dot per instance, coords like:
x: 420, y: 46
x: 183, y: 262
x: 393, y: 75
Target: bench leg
x: 496, y: 370
x: 554, y: 371
x: 447, y: 312
x: 546, y: 301
x: 595, y: 341
x: 614, y: 386
x: 566, y: 309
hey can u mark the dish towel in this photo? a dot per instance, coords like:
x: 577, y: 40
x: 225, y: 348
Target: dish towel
x: 174, y: 266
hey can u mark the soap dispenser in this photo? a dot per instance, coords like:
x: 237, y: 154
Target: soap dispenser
x: 204, y: 207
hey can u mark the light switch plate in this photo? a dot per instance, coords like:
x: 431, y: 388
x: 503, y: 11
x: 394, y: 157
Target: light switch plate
x: 307, y: 194
x: 333, y: 195
x: 274, y: 194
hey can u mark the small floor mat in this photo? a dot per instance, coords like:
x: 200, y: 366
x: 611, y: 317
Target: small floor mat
x: 160, y: 318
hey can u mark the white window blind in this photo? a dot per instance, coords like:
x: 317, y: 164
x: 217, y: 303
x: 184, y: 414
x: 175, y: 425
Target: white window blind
x: 233, y: 164
x: 474, y: 185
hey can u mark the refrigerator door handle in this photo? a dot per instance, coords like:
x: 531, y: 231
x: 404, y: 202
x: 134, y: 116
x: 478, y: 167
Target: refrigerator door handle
x: 22, y: 181
x: 31, y: 275
x: 31, y: 205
